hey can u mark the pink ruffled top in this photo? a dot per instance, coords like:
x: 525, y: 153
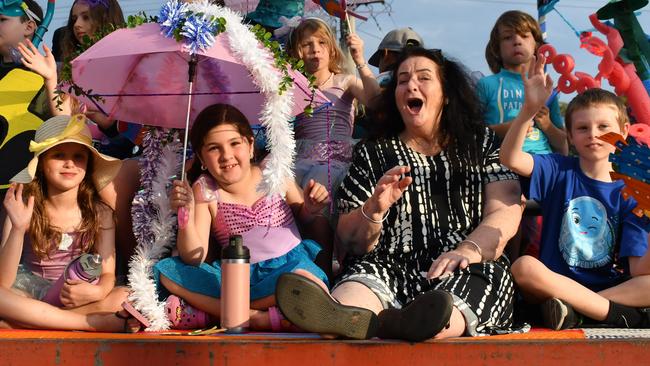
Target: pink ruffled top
x: 267, y: 227
x: 52, y: 267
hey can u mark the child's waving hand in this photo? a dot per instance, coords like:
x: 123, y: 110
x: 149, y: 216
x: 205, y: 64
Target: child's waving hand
x: 19, y: 212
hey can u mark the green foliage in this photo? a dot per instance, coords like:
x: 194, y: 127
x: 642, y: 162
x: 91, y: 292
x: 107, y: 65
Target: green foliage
x: 283, y: 62
x: 140, y: 18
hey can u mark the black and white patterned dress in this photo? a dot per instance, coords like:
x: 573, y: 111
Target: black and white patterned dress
x: 436, y: 212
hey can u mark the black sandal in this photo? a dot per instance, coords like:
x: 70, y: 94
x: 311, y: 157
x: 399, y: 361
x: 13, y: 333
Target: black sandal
x: 420, y: 320
x: 310, y: 307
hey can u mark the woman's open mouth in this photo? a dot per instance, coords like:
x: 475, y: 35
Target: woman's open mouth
x: 414, y: 105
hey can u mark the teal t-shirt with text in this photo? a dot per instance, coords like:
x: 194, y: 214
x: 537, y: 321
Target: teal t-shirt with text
x: 502, y: 96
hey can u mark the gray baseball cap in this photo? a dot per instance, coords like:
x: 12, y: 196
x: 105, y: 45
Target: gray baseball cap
x: 395, y: 40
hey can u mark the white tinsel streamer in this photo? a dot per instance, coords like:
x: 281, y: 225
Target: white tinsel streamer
x: 144, y: 295
x: 277, y: 109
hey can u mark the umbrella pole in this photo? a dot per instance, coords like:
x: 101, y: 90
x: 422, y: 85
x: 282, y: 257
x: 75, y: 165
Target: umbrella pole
x: 191, y: 72
x: 183, y: 215
x: 187, y: 126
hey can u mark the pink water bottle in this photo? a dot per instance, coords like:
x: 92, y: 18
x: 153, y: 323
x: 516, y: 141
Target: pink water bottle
x: 235, y: 286
x: 86, y: 267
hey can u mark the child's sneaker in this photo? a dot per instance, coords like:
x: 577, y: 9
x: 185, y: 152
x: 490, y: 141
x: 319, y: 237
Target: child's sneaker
x: 183, y: 315
x: 645, y: 318
x: 559, y: 315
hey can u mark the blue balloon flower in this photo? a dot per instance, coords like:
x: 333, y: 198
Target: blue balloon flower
x: 198, y: 32
x: 172, y: 14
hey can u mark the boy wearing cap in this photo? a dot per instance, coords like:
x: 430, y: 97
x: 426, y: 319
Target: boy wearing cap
x: 392, y: 44
x: 389, y: 48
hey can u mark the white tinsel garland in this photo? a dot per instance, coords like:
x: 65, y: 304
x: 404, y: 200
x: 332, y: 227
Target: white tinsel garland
x: 275, y: 116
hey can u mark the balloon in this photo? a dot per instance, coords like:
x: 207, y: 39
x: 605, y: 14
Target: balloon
x: 567, y: 83
x: 641, y: 132
x: 547, y: 51
x: 564, y: 64
x: 621, y: 76
x: 584, y: 82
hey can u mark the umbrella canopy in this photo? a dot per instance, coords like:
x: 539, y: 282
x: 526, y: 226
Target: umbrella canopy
x: 143, y: 78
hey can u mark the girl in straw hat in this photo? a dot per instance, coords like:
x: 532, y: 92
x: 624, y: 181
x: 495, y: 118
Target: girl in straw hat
x: 54, y: 214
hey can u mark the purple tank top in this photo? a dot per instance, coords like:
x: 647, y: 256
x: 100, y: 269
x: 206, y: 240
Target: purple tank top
x: 312, y: 132
x: 52, y: 268
x: 267, y: 227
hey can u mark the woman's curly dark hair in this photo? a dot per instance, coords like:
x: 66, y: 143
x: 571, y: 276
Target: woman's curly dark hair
x: 461, y: 124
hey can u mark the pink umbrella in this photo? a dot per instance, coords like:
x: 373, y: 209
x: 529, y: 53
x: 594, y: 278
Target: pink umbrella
x: 143, y: 77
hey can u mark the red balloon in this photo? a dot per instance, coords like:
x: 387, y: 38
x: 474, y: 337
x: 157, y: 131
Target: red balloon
x: 567, y: 83
x: 619, y: 79
x: 621, y: 76
x: 585, y: 81
x: 563, y: 64
x: 547, y: 51
x: 640, y: 132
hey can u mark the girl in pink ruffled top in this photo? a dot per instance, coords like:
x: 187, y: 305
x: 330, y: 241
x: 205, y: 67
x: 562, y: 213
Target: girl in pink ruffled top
x: 224, y: 201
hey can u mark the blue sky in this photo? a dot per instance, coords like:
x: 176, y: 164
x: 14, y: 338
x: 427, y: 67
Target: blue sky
x: 460, y: 27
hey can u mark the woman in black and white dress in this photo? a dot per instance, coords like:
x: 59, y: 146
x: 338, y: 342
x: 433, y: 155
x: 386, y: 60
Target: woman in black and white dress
x: 426, y: 211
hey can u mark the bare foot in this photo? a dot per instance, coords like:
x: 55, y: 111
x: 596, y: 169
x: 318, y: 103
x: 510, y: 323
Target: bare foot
x: 119, y: 322
x: 5, y: 325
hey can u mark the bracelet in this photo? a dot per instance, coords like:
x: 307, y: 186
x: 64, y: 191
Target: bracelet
x: 478, y: 248
x: 361, y: 66
x: 370, y: 218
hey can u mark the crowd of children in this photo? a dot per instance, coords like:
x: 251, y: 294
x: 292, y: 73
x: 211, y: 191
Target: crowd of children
x: 590, y: 267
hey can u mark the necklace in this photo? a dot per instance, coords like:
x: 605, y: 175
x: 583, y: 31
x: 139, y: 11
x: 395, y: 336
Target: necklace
x: 326, y: 81
x: 432, y: 148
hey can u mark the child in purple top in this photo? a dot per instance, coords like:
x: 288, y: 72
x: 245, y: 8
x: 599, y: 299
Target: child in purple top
x: 324, y: 140
x: 224, y: 201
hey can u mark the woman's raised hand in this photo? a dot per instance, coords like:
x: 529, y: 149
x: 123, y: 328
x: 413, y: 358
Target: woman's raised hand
x: 42, y: 65
x: 389, y: 189
x: 538, y: 85
x: 19, y: 212
x: 316, y: 197
x: 181, y: 195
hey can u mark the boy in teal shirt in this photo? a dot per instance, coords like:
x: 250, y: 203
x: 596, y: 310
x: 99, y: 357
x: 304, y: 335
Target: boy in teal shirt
x: 513, y: 42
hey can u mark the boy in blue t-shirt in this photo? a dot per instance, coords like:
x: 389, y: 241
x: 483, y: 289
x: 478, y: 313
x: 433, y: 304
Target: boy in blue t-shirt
x: 592, y: 243
x: 514, y: 40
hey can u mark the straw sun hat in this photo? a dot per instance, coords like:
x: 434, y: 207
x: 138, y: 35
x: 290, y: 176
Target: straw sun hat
x: 59, y: 130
